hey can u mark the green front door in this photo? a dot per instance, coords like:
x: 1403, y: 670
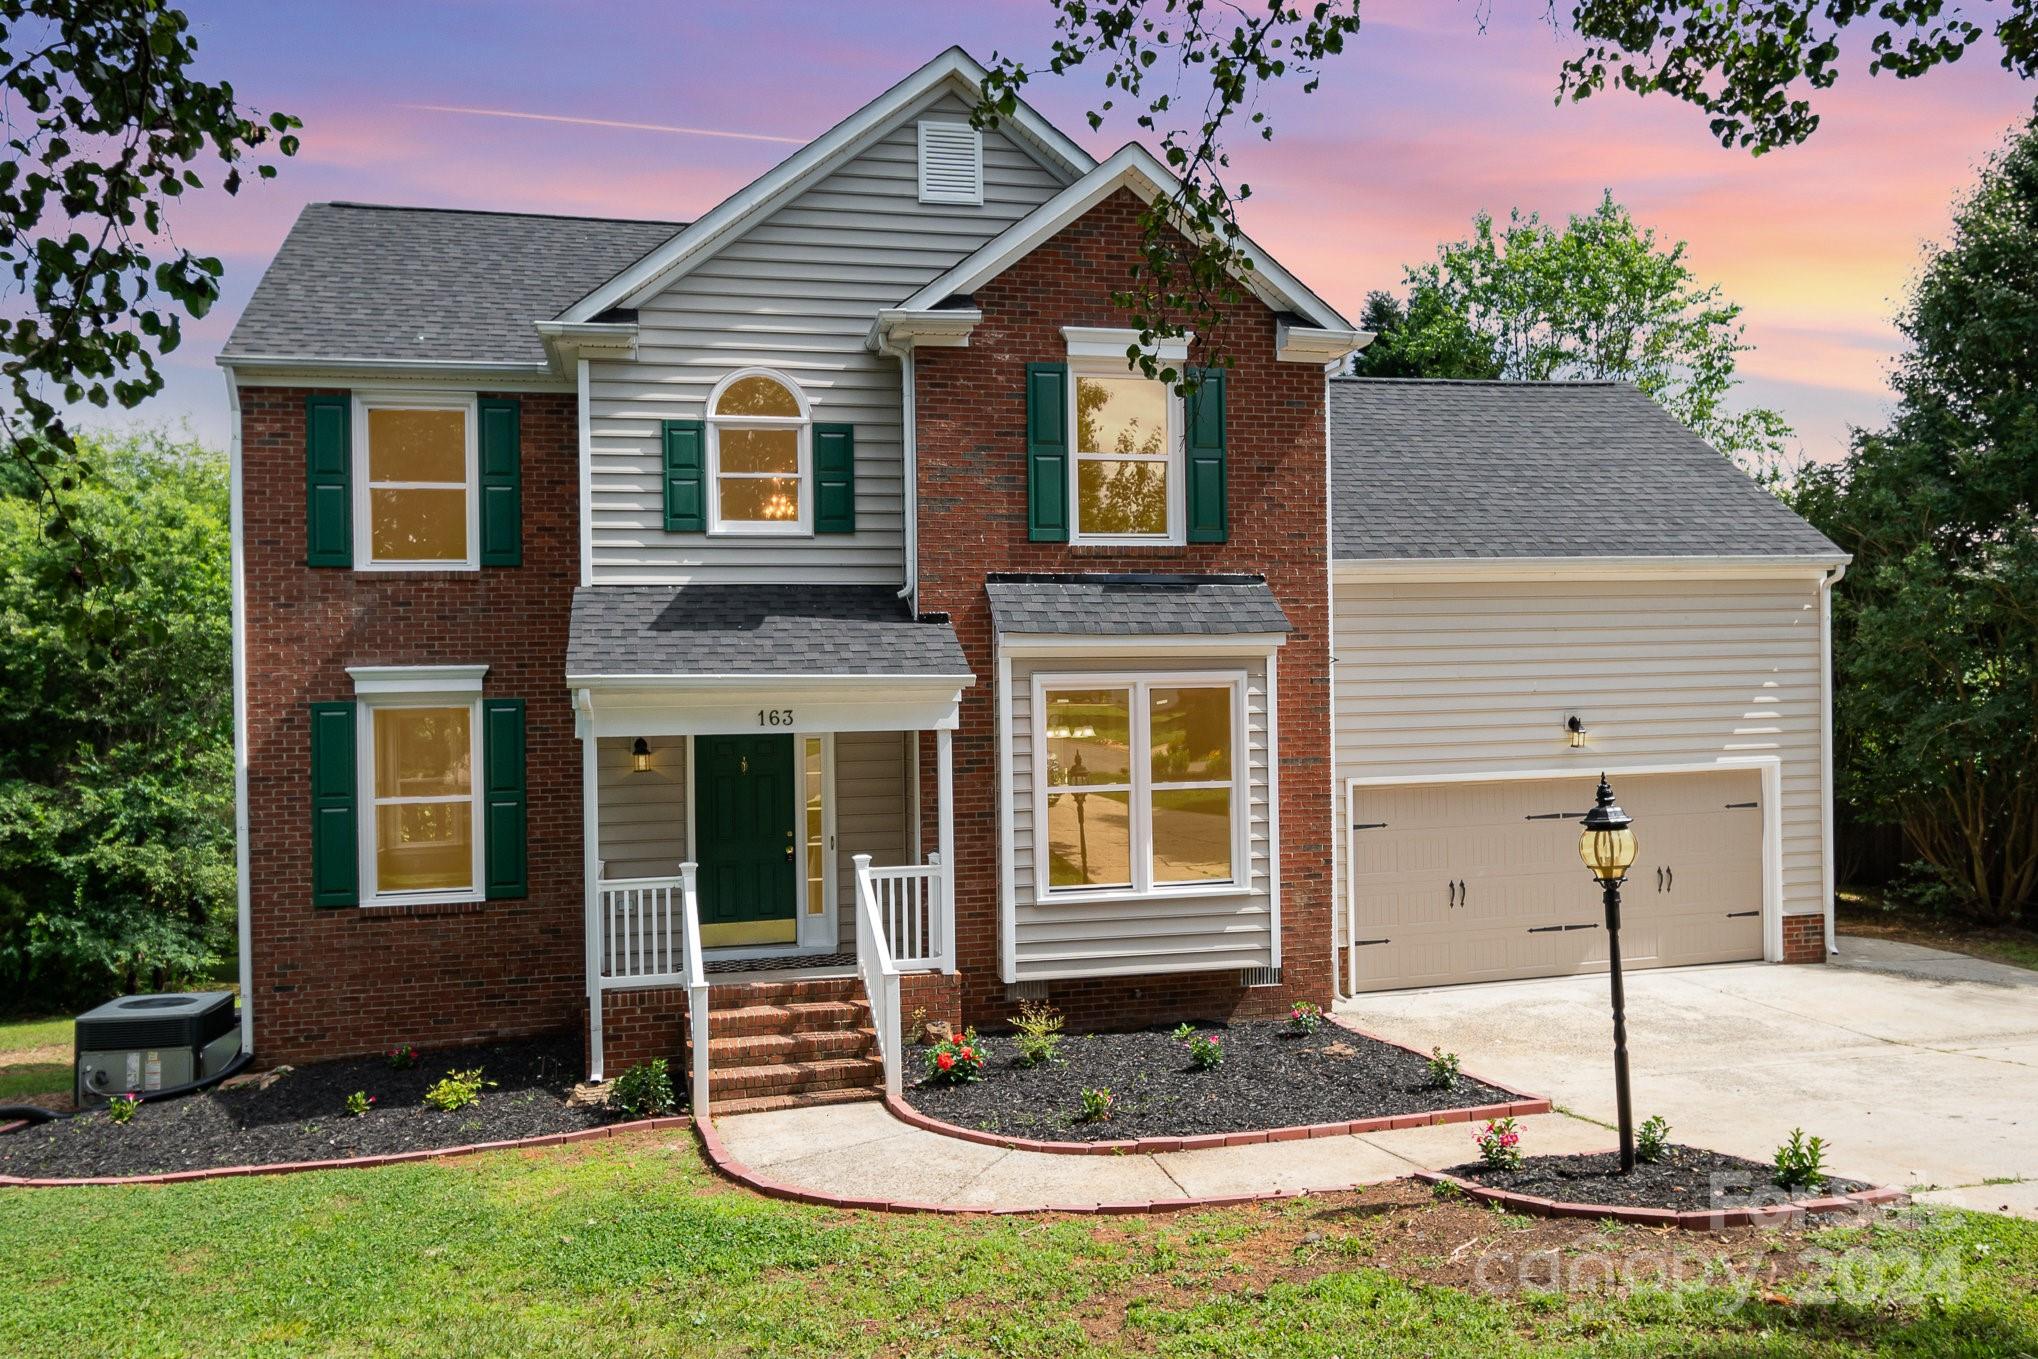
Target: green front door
x: 744, y: 802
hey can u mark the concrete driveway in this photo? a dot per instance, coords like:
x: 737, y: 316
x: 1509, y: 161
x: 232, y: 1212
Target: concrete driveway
x: 1919, y: 1067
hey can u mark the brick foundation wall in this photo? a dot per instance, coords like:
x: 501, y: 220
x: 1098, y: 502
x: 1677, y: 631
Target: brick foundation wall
x: 637, y: 1026
x: 337, y: 982
x: 1804, y: 939
x: 938, y: 994
x: 972, y: 506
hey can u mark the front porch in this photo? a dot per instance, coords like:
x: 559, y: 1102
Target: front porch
x: 768, y: 846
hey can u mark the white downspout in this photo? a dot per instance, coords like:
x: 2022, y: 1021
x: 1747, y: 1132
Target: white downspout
x: 909, y: 446
x: 1828, y: 873
x: 238, y: 599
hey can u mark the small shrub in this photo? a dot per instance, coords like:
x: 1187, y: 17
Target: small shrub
x: 1499, y: 1144
x: 1206, y: 1050
x: 645, y: 1090
x: 1652, y: 1139
x: 1801, y: 1162
x: 1036, y: 1032
x: 457, y: 1091
x: 1443, y: 1069
x: 359, y: 1103
x: 402, y: 1057
x: 1096, y: 1106
x: 1305, y: 1018
x: 956, y: 1061
x: 123, y: 1108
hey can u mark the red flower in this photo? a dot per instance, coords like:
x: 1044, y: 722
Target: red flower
x: 945, y: 1061
x: 969, y: 1054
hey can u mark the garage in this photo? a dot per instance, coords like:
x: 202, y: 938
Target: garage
x: 1468, y: 881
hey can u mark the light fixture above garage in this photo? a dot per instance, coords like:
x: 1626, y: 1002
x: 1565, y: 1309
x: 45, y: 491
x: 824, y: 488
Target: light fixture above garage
x: 1575, y: 725
x: 640, y: 756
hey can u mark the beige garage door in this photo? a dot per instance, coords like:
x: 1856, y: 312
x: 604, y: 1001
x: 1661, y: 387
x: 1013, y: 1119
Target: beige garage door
x: 1467, y: 882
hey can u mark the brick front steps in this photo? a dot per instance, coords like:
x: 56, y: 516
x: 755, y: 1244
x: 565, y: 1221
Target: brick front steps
x: 1699, y: 1220
x: 780, y: 1041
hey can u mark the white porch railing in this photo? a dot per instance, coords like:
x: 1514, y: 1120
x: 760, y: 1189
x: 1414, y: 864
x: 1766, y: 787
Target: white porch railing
x: 913, y: 907
x: 651, y: 936
x: 880, y: 974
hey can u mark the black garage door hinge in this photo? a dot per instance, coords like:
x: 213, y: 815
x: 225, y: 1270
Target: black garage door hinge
x: 1553, y: 816
x: 1739, y: 915
x: 1370, y: 825
x: 1364, y: 943
x: 1737, y: 806
x: 1557, y: 929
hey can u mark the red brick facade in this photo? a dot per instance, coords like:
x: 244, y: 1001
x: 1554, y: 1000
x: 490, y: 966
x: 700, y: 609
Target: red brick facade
x: 971, y: 473
x: 350, y: 980
x: 1804, y: 939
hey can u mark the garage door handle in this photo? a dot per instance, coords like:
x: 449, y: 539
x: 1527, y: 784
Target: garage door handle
x: 1659, y: 877
x: 1670, y: 878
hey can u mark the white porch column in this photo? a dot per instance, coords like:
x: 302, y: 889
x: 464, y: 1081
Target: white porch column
x: 590, y: 858
x: 945, y: 821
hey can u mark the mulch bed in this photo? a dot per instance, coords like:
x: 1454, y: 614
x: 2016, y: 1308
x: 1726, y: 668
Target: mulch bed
x: 1684, y: 1181
x: 301, y: 1116
x: 1268, y: 1079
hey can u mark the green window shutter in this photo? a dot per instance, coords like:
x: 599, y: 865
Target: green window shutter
x: 686, y: 461
x: 502, y: 481
x: 504, y: 801
x: 328, y: 498
x: 1047, y: 452
x: 335, y: 855
x: 834, y: 478
x: 1209, y: 520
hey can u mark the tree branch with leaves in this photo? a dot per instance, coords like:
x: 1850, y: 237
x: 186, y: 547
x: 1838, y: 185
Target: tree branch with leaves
x: 106, y: 124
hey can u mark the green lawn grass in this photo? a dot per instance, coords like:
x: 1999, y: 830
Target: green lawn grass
x: 35, y: 1058
x: 633, y: 1248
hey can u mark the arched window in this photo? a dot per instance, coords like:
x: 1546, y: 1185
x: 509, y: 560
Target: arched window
x: 760, y: 454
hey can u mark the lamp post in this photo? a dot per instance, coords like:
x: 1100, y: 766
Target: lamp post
x: 1607, y: 845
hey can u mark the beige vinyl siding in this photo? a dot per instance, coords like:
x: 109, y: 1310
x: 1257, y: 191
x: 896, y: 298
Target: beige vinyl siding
x: 1435, y: 678
x: 1171, y: 934
x: 871, y: 810
x: 642, y: 816
x: 795, y: 292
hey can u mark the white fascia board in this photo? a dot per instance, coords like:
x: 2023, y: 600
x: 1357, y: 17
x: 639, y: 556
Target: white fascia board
x: 897, y: 329
x: 1090, y: 646
x: 306, y: 371
x: 809, y: 683
x: 1446, y: 569
x: 372, y: 680
x: 1132, y: 167
x: 569, y: 341
x: 1316, y: 344
x: 804, y: 167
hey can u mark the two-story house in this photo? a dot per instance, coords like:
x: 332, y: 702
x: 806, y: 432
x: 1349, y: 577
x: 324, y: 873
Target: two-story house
x: 810, y: 605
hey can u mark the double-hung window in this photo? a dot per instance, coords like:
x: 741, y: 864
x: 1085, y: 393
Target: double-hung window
x: 1127, y: 450
x: 1137, y: 784
x: 760, y: 455
x: 420, y: 763
x: 415, y: 465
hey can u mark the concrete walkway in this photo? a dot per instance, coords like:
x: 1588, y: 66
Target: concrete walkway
x: 861, y: 1151
x: 1919, y: 1067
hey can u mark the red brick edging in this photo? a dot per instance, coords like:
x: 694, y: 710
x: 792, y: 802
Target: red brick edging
x: 358, y: 1162
x: 1521, y: 1105
x: 1697, y: 1220
x: 719, y: 1157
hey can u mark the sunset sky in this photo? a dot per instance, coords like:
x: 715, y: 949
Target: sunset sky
x: 1423, y: 122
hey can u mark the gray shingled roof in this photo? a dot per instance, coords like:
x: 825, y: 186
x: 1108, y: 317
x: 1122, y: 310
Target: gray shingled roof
x: 357, y: 281
x: 754, y: 630
x: 1134, y: 606
x: 1432, y: 469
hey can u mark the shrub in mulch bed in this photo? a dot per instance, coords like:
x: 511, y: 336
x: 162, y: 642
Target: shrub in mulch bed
x: 1270, y: 1078
x: 302, y: 1116
x: 1687, y: 1179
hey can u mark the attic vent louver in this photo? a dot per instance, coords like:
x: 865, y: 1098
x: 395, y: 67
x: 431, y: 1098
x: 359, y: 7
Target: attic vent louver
x: 951, y: 163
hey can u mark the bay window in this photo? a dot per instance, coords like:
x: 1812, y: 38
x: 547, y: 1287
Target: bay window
x: 1137, y: 784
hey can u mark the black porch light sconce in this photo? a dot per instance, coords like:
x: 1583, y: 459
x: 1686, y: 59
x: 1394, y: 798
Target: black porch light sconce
x: 640, y: 756
x: 1607, y: 845
x: 1575, y: 726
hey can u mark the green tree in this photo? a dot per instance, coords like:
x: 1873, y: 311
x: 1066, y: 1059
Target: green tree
x: 1935, y: 630
x: 1598, y: 299
x: 105, y: 125
x: 1428, y: 338
x: 116, y: 727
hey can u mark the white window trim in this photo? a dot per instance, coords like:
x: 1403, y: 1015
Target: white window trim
x: 364, y: 536
x: 451, y: 686
x: 1139, y: 683
x: 803, y: 526
x: 1100, y: 353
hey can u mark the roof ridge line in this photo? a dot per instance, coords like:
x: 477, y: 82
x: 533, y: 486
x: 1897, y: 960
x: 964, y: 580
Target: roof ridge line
x: 490, y: 212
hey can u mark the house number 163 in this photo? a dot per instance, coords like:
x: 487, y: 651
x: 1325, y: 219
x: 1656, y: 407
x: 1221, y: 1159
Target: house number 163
x: 774, y: 717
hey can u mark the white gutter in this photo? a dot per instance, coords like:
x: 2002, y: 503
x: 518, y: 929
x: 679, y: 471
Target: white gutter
x: 1826, y: 869
x: 238, y: 596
